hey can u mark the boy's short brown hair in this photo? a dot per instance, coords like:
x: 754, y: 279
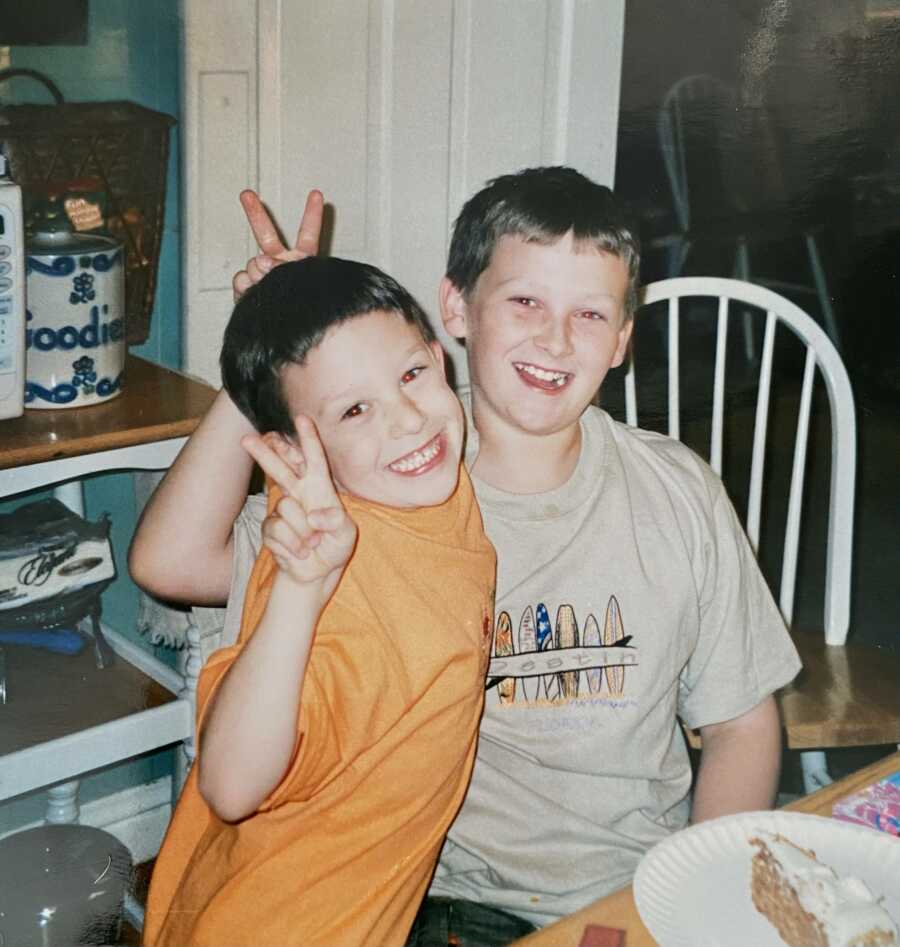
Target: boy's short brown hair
x: 541, y: 205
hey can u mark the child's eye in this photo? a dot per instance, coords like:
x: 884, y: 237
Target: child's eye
x: 354, y: 411
x: 412, y: 374
x: 591, y: 314
x: 525, y: 301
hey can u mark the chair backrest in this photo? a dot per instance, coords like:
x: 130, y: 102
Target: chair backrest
x: 689, y: 127
x: 721, y: 155
x: 731, y: 296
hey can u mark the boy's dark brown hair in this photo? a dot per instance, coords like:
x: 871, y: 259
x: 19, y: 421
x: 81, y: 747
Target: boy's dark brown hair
x: 286, y: 315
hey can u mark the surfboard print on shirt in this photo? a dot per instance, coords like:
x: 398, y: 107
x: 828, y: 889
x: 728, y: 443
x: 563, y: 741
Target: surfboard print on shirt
x: 545, y: 643
x: 542, y: 666
x: 613, y: 631
x: 530, y: 686
x: 503, y: 646
x: 567, y: 637
x: 590, y: 637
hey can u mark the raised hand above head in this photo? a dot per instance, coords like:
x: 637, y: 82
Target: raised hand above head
x: 309, y: 533
x: 272, y: 249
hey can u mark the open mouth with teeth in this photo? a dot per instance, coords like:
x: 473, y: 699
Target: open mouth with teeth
x: 422, y: 459
x: 542, y: 378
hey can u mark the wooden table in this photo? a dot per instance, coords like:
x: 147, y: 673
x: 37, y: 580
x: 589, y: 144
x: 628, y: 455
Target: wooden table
x: 618, y: 909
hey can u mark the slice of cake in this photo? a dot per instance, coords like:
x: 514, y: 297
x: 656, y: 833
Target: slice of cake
x: 810, y: 904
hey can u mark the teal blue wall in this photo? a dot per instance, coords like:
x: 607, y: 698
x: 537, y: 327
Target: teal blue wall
x: 132, y: 53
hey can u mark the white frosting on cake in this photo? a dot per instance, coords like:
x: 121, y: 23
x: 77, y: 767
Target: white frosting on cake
x: 845, y: 907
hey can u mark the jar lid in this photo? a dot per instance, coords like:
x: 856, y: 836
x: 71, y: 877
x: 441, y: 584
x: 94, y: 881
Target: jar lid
x: 50, y: 232
x: 44, y: 243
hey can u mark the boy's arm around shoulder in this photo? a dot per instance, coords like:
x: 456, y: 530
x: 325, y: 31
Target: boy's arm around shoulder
x: 740, y: 762
x: 182, y: 547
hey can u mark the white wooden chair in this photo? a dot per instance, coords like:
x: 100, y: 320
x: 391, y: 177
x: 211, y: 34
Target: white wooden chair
x: 847, y: 694
x: 726, y: 184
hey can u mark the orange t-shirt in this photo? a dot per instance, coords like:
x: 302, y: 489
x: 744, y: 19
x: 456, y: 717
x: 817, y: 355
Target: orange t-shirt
x: 342, y: 851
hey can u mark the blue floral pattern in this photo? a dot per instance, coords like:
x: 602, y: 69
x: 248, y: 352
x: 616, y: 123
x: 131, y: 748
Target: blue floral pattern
x: 82, y: 289
x: 84, y: 376
x: 65, y: 393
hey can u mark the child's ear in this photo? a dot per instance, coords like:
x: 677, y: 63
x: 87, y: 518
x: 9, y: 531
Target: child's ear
x: 622, y: 347
x: 453, y: 309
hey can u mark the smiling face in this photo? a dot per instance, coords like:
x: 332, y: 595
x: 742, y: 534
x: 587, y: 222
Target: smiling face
x: 543, y: 326
x: 391, y: 427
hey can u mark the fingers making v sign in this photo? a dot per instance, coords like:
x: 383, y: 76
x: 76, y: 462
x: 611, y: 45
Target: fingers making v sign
x: 309, y: 532
x: 272, y: 249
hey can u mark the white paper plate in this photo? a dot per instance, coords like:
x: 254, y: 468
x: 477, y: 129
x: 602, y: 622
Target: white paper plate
x: 693, y: 889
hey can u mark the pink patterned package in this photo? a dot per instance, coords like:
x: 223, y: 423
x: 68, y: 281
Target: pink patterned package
x: 877, y: 805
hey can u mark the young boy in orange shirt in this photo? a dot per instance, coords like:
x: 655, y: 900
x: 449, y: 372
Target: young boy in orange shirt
x: 337, y: 736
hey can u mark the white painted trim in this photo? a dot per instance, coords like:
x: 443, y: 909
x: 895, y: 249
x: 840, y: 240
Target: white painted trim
x: 458, y: 186
x: 94, y: 747
x: 153, y: 456
x: 380, y: 139
x: 557, y: 104
x: 142, y: 659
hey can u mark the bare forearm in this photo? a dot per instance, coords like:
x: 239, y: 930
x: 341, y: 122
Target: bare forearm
x: 251, y: 731
x: 740, y: 764
x: 250, y: 734
x: 182, y: 547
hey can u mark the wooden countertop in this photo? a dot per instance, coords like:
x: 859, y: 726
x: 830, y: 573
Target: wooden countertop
x: 156, y: 404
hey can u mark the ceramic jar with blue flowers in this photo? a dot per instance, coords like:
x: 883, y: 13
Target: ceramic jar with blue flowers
x: 74, y: 331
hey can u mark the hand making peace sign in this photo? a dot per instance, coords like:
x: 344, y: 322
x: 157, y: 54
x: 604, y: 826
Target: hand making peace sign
x: 310, y: 534
x: 273, y: 251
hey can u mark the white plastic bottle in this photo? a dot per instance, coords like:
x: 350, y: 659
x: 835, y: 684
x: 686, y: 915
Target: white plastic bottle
x: 12, y: 297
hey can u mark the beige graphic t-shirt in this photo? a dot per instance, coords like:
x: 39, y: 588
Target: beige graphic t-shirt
x: 626, y: 598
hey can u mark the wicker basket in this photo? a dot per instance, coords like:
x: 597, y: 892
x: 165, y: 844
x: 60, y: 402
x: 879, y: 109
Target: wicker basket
x: 123, y: 145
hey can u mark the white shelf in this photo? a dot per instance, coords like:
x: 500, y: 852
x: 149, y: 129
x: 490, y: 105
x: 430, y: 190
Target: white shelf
x: 64, y: 716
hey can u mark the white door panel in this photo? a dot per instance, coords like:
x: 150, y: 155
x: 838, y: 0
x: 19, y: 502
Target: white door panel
x: 218, y: 134
x: 397, y: 109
